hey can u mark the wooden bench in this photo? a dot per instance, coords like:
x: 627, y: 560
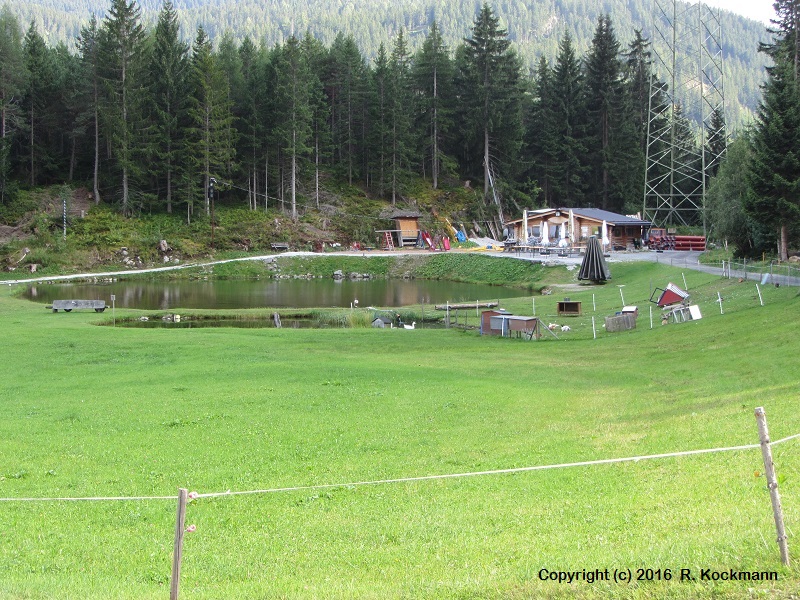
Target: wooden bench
x: 68, y: 305
x: 278, y: 246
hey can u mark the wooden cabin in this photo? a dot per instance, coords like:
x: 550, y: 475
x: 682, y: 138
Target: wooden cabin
x: 624, y: 231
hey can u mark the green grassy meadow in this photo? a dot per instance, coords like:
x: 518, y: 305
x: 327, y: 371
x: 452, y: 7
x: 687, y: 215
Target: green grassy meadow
x: 92, y: 411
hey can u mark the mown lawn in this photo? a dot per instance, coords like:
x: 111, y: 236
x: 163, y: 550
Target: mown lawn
x: 102, y: 411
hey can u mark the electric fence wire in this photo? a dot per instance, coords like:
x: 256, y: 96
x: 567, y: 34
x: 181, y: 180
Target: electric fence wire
x: 587, y: 463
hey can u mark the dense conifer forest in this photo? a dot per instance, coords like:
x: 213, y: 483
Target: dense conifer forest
x: 528, y: 105
x: 535, y: 28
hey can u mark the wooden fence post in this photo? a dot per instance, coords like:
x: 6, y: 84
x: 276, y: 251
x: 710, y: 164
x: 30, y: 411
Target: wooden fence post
x: 178, y: 552
x: 772, y: 483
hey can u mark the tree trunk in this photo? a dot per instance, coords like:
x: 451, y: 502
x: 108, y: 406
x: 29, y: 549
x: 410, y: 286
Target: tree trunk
x: 294, y: 175
x: 485, y: 163
x: 96, y: 175
x: 435, y: 162
x: 33, y: 166
x: 783, y: 247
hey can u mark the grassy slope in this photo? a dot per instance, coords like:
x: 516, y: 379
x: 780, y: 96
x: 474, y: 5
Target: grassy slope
x: 102, y: 411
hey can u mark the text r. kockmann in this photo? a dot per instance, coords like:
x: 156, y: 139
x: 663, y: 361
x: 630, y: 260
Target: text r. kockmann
x: 731, y: 575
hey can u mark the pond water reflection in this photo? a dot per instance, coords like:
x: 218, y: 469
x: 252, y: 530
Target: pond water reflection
x: 284, y: 293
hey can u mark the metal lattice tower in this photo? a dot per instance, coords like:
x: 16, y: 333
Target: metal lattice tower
x: 685, y: 89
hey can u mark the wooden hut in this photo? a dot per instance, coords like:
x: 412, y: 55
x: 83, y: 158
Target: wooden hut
x: 406, y: 229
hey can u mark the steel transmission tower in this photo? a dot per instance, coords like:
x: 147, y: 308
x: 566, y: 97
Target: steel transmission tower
x: 685, y: 90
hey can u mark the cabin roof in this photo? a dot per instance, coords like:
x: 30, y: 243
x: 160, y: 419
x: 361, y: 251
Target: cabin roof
x: 404, y: 214
x: 594, y: 214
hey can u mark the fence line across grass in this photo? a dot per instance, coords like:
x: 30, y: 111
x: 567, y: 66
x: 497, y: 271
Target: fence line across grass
x: 184, y: 496
x: 324, y: 486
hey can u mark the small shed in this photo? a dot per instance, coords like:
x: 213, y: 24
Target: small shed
x: 491, y: 323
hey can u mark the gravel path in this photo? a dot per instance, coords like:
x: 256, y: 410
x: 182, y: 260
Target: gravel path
x: 689, y: 260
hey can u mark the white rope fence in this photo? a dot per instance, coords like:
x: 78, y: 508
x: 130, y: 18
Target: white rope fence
x: 587, y: 463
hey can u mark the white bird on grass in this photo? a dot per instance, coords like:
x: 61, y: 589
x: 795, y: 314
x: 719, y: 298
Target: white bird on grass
x: 413, y: 324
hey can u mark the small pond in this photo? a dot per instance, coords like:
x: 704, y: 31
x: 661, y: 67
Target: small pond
x: 282, y: 293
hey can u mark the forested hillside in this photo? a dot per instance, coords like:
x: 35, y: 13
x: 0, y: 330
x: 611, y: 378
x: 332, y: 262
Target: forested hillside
x: 154, y: 122
x: 535, y: 28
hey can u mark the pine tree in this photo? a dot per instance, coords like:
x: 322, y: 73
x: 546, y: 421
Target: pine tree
x: 69, y: 102
x: 638, y: 76
x: 716, y: 142
x: 612, y: 135
x: 491, y: 92
x: 13, y: 82
x: 316, y: 57
x: 774, y: 175
x: 122, y: 46
x: 251, y: 127
x: 380, y: 129
x: 38, y: 119
x: 400, y: 112
x: 569, y: 161
x: 169, y: 71
x: 211, y: 148
x: 542, y: 133
x: 89, y: 49
x: 293, y: 95
x: 346, y: 81
x: 433, y: 82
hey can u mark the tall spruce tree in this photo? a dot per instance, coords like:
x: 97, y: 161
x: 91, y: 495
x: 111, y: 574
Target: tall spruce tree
x: 122, y: 52
x: 604, y: 110
x: 638, y: 77
x: 316, y: 57
x: 293, y: 102
x: 70, y: 101
x: 570, y: 165
x: 211, y: 148
x: 169, y: 71
x: 346, y: 82
x: 401, y: 112
x: 250, y: 147
x: 612, y: 136
x: 542, y: 133
x: 432, y: 74
x: 380, y: 127
x: 491, y: 91
x: 39, y: 120
x: 774, y: 175
x: 13, y: 82
x: 716, y: 142
x: 89, y: 49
